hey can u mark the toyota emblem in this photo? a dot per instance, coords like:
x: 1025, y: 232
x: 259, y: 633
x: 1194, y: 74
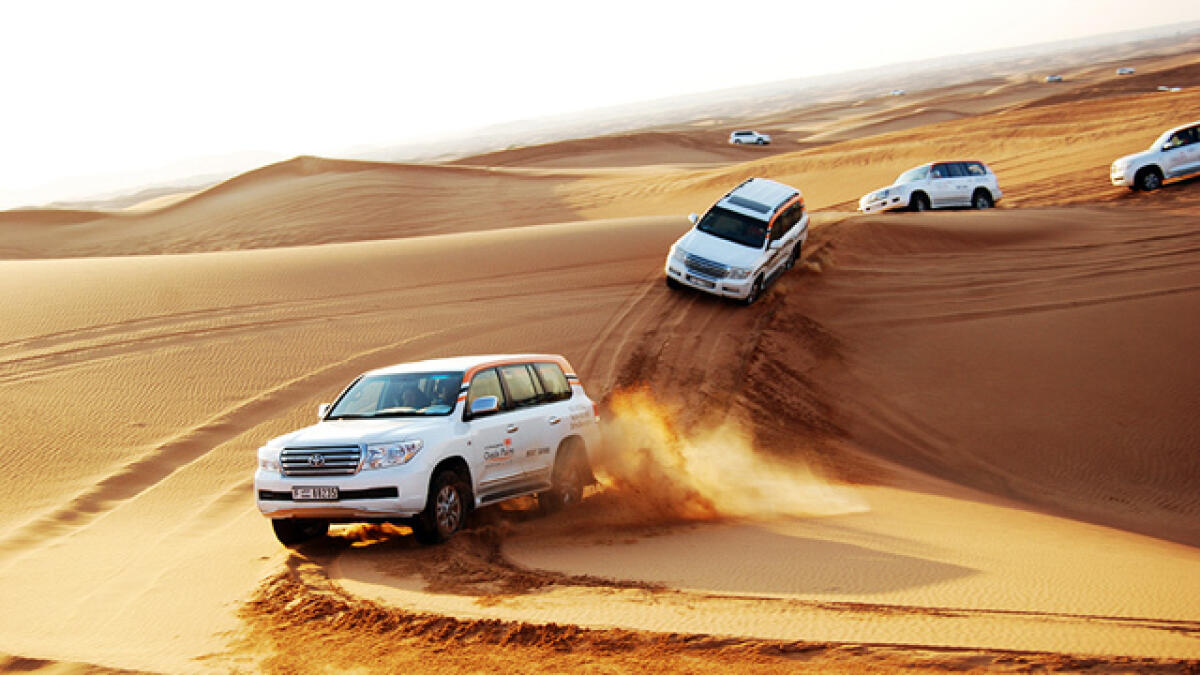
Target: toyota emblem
x: 317, y: 460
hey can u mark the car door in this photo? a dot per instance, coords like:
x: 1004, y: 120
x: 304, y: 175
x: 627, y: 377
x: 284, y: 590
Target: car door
x: 941, y: 186
x: 1192, y: 151
x: 554, y: 416
x: 492, y: 438
x: 1176, y: 152
x: 528, y: 424
x: 778, y: 249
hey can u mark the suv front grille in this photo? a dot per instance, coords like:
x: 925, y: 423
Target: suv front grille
x: 336, y: 461
x: 709, y: 268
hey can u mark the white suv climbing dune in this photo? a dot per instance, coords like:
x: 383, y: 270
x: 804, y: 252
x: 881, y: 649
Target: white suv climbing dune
x: 746, y: 240
x: 1174, y: 154
x: 937, y: 185
x: 424, y: 443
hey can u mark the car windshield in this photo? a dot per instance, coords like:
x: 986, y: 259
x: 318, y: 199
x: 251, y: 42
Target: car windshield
x: 399, y: 395
x: 919, y: 173
x: 734, y: 227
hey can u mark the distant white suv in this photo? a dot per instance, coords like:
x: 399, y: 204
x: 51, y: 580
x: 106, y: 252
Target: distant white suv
x: 423, y: 443
x: 744, y: 242
x: 747, y: 137
x: 937, y: 185
x: 1175, y: 154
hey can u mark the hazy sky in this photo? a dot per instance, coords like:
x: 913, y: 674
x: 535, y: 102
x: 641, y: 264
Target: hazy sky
x: 134, y: 90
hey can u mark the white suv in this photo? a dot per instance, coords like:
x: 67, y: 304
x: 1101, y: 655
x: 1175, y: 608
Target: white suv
x: 937, y: 185
x: 1174, y: 154
x: 423, y: 443
x: 743, y: 243
x: 747, y: 137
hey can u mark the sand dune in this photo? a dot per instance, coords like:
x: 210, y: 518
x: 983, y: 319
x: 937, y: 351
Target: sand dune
x: 984, y: 423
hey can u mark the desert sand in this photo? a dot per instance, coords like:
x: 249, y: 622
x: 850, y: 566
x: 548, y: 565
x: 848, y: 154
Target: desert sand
x: 947, y: 441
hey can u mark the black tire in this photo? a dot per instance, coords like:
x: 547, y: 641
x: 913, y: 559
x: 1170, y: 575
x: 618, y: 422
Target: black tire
x: 295, y: 531
x: 795, y: 255
x: 446, y: 509
x: 1148, y: 180
x: 760, y: 142
x: 981, y: 200
x: 673, y: 285
x: 918, y: 202
x: 566, y: 480
x: 755, y: 293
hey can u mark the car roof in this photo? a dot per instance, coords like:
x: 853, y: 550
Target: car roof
x: 758, y: 198
x: 468, y: 363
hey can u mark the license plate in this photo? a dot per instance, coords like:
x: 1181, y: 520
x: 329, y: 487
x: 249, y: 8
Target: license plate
x: 703, y: 282
x: 314, y: 494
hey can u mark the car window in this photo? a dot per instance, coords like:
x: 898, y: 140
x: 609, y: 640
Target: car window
x: 919, y: 173
x: 939, y: 171
x: 519, y: 383
x: 786, y: 221
x: 486, y: 383
x: 399, y: 395
x: 976, y: 169
x: 733, y: 227
x: 956, y: 169
x: 555, y: 382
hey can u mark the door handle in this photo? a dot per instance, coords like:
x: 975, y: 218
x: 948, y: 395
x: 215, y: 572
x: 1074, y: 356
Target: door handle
x: 555, y: 420
x: 512, y: 428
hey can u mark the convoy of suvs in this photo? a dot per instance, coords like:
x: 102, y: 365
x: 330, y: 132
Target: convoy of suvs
x: 425, y: 443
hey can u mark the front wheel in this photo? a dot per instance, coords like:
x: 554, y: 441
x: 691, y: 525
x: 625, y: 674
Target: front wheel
x: 919, y: 202
x: 794, y: 256
x: 761, y: 142
x: 755, y: 291
x: 1148, y: 180
x: 294, y: 531
x: 981, y: 200
x: 445, y: 509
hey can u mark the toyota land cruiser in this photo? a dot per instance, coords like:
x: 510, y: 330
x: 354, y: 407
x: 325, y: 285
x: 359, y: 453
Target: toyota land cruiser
x: 744, y: 242
x: 423, y: 443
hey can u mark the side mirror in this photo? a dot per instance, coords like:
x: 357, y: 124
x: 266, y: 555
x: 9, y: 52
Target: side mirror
x: 693, y: 218
x: 1166, y: 147
x: 322, y: 411
x: 485, y: 405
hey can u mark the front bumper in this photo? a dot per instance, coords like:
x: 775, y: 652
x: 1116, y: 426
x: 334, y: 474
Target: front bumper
x: 1119, y: 178
x: 365, y: 495
x: 890, y: 203
x: 726, y: 288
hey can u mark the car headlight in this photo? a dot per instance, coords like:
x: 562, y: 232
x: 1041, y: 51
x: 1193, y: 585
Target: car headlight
x: 678, y: 254
x: 740, y: 272
x: 1120, y: 165
x: 268, y: 459
x: 383, y: 455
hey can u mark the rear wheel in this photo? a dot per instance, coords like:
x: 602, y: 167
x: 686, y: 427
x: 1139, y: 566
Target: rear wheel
x: 1148, y: 180
x: 981, y: 200
x: 918, y: 202
x: 294, y: 531
x: 566, y: 480
x: 445, y: 509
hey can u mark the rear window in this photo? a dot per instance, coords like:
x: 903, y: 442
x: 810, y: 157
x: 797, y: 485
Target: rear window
x: 554, y: 381
x: 976, y: 169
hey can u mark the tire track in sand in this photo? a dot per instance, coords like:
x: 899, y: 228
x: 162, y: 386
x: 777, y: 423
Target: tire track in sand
x: 164, y: 459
